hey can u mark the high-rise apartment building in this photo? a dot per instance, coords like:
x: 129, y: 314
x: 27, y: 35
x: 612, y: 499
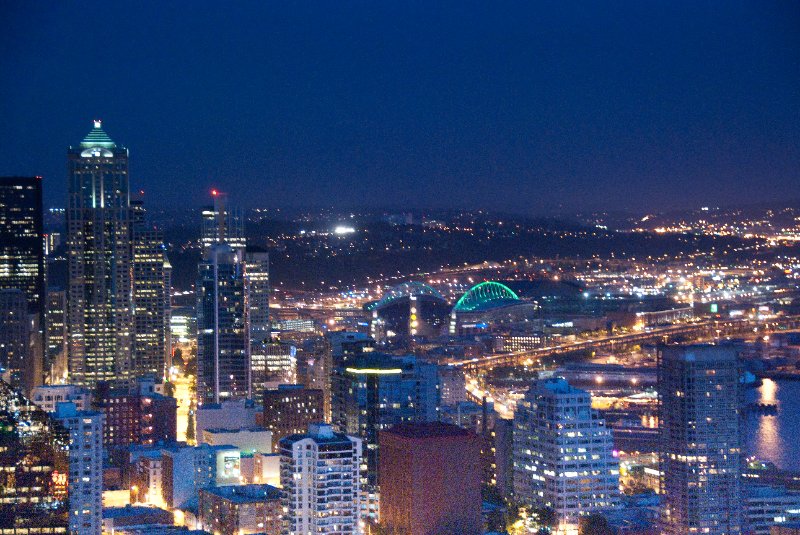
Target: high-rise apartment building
x: 563, y: 453
x: 85, y: 468
x: 223, y: 340
x: 430, y: 478
x: 100, y: 260
x: 700, y: 455
x: 321, y: 481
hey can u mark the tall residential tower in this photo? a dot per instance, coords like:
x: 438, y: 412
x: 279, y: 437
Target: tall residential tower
x: 700, y: 444
x: 563, y: 453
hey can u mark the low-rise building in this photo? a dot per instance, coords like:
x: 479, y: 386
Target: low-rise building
x: 767, y: 506
x: 250, y: 440
x: 231, y: 415
x: 46, y: 397
x: 240, y: 510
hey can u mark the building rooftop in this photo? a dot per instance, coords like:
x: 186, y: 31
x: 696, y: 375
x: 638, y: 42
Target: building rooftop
x: 255, y: 429
x: 428, y: 430
x: 246, y: 493
x: 98, y: 138
x: 319, y: 433
x: 131, y: 510
x: 556, y: 385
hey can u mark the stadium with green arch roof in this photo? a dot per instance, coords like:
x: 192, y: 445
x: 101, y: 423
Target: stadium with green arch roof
x: 485, y: 296
x: 491, y: 306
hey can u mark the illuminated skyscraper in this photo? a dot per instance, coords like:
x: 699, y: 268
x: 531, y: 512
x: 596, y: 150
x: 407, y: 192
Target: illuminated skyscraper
x: 222, y: 223
x: 56, y: 332
x: 257, y: 279
x: 22, y: 240
x: 100, y: 307
x: 374, y: 391
x: 15, y: 333
x: 321, y: 481
x: 223, y: 340
x: 700, y: 443
x: 22, y: 261
x: 563, y: 453
x: 151, y: 300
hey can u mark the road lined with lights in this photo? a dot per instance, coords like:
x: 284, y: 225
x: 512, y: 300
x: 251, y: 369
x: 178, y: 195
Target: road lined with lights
x: 709, y: 328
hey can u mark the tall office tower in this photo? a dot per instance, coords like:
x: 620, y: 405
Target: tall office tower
x: 257, y: 279
x: 56, y: 335
x: 22, y: 258
x: 290, y: 409
x: 340, y: 347
x: 563, y: 453
x: 222, y: 223
x: 430, y: 479
x: 85, y: 468
x: 33, y: 468
x: 223, y: 340
x: 321, y: 480
x: 14, y: 335
x: 700, y: 443
x: 151, y: 310
x: 374, y: 391
x: 22, y: 240
x: 100, y: 260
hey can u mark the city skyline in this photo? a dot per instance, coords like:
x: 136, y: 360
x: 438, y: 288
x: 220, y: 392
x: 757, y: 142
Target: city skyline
x: 528, y: 109
x: 400, y: 269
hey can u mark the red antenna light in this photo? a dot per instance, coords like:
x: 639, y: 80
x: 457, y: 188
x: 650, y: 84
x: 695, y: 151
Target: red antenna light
x: 214, y: 192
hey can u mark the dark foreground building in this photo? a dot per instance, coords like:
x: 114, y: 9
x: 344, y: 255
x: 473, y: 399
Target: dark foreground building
x: 34, y: 468
x: 430, y: 480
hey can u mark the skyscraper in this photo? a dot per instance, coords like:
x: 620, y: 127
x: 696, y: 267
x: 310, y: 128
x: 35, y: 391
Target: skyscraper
x: 222, y: 223
x: 151, y: 299
x: 14, y: 336
x: 700, y: 455
x: 22, y: 262
x: 257, y: 280
x: 100, y: 260
x: 374, y: 391
x: 223, y: 340
x: 562, y: 453
x: 57, y: 338
x: 321, y: 480
x: 22, y: 240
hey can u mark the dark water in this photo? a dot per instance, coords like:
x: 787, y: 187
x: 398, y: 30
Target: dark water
x: 775, y: 438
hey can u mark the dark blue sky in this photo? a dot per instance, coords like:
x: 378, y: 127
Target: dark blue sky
x: 526, y: 107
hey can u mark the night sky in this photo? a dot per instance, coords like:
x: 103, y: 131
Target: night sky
x: 531, y: 107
